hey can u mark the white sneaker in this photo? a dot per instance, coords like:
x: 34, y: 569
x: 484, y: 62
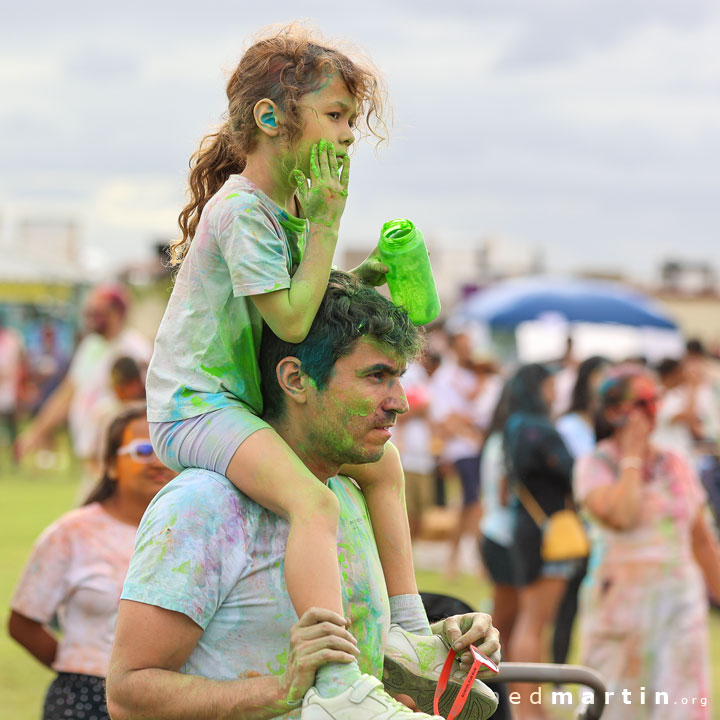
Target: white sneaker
x: 365, y: 699
x: 413, y: 664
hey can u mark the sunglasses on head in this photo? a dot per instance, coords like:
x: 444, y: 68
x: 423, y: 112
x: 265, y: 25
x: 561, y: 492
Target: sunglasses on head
x: 140, y: 450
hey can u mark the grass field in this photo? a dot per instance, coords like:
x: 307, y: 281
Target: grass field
x: 33, y: 499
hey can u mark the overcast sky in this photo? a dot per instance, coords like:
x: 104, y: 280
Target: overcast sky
x: 587, y: 130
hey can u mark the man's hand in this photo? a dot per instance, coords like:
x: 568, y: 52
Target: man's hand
x: 372, y: 270
x: 323, y: 201
x: 318, y: 637
x: 461, y: 631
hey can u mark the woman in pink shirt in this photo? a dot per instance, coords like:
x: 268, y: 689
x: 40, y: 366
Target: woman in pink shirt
x: 654, y: 558
x: 75, y: 573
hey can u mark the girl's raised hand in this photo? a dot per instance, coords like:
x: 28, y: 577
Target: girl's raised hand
x: 323, y: 200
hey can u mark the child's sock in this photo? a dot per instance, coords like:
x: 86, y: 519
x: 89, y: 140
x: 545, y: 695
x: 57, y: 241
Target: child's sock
x: 335, y: 678
x: 408, y: 612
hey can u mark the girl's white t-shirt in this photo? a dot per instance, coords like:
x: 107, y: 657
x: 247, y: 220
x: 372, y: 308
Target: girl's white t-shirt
x: 74, y: 578
x: 207, y: 345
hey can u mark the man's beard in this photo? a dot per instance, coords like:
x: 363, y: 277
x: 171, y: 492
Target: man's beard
x: 352, y: 453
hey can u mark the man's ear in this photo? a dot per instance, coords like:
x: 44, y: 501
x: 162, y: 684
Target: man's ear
x: 267, y: 117
x: 293, y: 381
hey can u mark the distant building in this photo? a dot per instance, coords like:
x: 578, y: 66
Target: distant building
x: 688, y: 278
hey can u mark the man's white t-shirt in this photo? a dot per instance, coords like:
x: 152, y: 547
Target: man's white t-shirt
x: 90, y: 375
x: 451, y: 388
x: 206, y: 550
x: 413, y: 436
x: 676, y: 435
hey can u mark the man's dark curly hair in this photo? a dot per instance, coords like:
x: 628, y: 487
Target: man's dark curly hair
x: 350, y: 310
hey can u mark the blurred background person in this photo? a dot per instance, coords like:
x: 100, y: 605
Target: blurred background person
x: 87, y: 381
x: 127, y: 380
x: 453, y: 389
x: 487, y: 394
x: 577, y: 423
x: 75, y: 573
x: 540, y: 466
x: 688, y: 416
x: 708, y: 367
x: 11, y: 373
x: 46, y: 368
x: 127, y: 386
x: 644, y: 603
x: 565, y: 374
x: 498, y: 521
x: 577, y: 429
x: 412, y: 436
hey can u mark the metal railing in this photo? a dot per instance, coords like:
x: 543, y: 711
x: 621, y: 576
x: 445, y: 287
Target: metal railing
x: 512, y: 672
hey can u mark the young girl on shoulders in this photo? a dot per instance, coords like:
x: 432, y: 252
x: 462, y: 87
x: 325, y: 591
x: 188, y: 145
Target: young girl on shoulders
x: 267, y: 192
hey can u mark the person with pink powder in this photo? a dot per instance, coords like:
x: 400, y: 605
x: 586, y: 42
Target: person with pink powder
x: 75, y: 573
x: 643, y: 609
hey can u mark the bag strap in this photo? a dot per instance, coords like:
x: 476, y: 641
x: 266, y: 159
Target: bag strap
x: 532, y: 506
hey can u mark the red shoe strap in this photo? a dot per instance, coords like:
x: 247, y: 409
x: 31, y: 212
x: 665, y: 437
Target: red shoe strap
x: 479, y: 660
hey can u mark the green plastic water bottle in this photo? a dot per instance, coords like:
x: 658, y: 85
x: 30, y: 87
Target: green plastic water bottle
x: 402, y: 249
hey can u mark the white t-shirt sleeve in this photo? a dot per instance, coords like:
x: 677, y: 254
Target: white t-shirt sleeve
x: 254, y: 250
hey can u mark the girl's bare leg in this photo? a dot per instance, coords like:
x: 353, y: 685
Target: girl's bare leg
x: 266, y: 469
x: 383, y: 485
x: 505, y: 609
x: 539, y: 602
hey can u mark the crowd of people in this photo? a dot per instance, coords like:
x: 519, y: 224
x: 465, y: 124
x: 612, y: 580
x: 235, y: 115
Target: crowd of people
x: 635, y: 450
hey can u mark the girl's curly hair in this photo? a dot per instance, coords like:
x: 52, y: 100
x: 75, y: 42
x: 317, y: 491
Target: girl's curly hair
x: 282, y: 65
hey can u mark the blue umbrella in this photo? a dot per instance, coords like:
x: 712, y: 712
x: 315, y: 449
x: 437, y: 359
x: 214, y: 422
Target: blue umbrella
x: 511, y: 302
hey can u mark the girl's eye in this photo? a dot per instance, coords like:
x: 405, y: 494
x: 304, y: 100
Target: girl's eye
x: 334, y: 115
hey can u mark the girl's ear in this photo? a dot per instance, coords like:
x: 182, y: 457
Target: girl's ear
x: 266, y: 116
x: 293, y: 381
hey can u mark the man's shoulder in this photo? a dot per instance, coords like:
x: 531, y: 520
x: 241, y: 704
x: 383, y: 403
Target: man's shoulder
x: 349, y: 494
x: 197, y: 485
x: 202, y: 498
